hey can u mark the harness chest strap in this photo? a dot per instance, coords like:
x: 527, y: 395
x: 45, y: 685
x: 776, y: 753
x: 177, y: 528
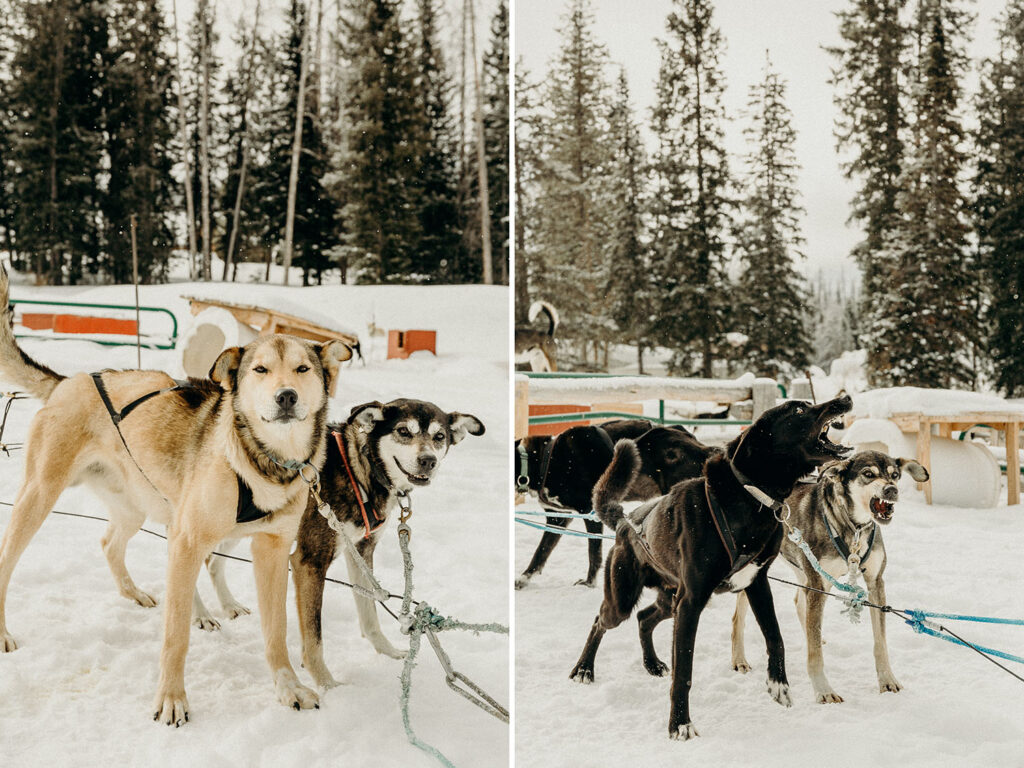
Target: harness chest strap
x: 246, y: 510
x: 371, y: 520
x: 840, y: 544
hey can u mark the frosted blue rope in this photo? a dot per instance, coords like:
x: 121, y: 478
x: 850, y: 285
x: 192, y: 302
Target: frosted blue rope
x: 563, y: 531
x: 961, y: 617
x: 572, y: 515
x: 919, y: 625
x: 857, y: 596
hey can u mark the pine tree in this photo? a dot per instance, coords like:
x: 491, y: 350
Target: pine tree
x: 314, y: 227
x: 926, y: 318
x: 999, y: 207
x: 528, y: 153
x: 571, y: 210
x: 772, y: 297
x: 56, y: 100
x: 438, y: 180
x: 691, y: 189
x: 138, y: 130
x: 7, y: 168
x: 379, y: 157
x: 496, y: 139
x: 630, y: 289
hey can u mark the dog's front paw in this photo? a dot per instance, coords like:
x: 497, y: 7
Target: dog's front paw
x: 779, y: 692
x: 294, y: 694
x: 683, y: 732
x: 888, y: 684
x: 206, y: 623
x: 171, y: 708
x: 582, y: 674
x: 741, y: 666
x: 656, y: 667
x: 234, y: 610
x: 522, y: 581
x: 144, y: 599
x: 828, y: 697
x: 584, y: 583
x: 7, y: 643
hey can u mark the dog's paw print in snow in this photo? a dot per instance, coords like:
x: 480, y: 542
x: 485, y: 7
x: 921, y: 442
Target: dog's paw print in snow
x: 780, y: 693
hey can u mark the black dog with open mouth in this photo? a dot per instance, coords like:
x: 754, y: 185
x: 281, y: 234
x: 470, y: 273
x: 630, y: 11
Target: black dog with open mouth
x: 709, y: 534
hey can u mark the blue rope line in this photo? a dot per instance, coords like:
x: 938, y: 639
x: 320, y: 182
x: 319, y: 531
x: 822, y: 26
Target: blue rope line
x: 572, y: 515
x: 563, y: 531
x: 919, y: 625
x: 921, y: 615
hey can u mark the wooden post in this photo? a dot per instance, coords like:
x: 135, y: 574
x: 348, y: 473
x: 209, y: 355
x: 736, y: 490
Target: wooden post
x: 924, y: 455
x: 1012, y: 462
x: 135, y: 279
x: 481, y: 158
x: 522, y: 416
x: 764, y: 393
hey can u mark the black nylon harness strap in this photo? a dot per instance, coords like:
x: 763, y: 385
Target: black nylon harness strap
x: 246, y: 511
x: 840, y: 544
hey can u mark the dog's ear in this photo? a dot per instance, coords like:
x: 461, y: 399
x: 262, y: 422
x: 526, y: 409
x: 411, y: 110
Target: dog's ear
x: 332, y: 354
x: 225, y: 367
x: 833, y: 470
x: 915, y: 470
x: 462, y: 424
x: 365, y: 416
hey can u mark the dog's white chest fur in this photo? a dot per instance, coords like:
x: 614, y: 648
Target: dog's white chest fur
x: 742, y: 578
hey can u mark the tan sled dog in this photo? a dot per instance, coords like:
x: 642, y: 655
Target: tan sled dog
x: 184, y: 456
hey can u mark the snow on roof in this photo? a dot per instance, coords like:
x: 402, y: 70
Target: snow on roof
x: 883, y: 403
x: 282, y: 307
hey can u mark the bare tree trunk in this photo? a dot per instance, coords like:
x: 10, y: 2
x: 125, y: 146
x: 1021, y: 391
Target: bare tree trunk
x: 293, y: 176
x: 481, y: 158
x: 58, y: 74
x: 190, y: 208
x: 204, y: 133
x: 236, y: 213
x: 640, y: 358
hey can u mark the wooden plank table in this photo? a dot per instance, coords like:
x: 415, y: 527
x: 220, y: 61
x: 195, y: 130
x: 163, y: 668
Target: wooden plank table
x: 1008, y: 422
x: 266, y: 321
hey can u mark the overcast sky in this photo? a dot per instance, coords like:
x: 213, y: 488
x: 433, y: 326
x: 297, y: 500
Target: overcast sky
x: 794, y: 31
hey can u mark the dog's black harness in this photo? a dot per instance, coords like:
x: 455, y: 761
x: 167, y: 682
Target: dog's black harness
x: 840, y: 544
x: 371, y: 519
x: 246, y: 512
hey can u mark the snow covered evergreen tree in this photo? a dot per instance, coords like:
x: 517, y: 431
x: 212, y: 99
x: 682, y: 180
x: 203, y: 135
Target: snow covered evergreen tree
x: 496, y: 139
x: 379, y: 157
x: 868, y: 77
x: 772, y: 301
x: 691, y: 197
x: 440, y: 236
x: 572, y: 206
x: 56, y: 100
x: 630, y: 290
x: 999, y: 207
x: 924, y: 327
x: 138, y: 134
x: 528, y: 153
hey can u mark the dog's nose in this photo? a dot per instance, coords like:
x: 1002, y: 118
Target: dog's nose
x: 890, y: 493
x: 427, y: 462
x: 286, y: 399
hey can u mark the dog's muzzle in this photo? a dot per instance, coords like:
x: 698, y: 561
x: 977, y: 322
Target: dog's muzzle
x: 882, y: 507
x: 423, y: 477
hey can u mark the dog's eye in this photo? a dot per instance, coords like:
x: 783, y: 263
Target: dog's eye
x: 799, y: 409
x: 439, y: 437
x: 259, y: 369
x: 403, y: 432
x: 868, y: 473
x: 302, y: 369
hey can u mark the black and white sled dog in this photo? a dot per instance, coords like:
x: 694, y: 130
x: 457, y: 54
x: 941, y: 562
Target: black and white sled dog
x: 535, y: 347
x: 383, y: 451
x: 561, y: 472
x: 718, y: 532
x: 839, y: 516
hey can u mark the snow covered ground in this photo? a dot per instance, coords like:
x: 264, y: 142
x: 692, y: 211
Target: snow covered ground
x: 78, y: 690
x: 956, y: 709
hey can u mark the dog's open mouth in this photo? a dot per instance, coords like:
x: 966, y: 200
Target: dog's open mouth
x: 882, y: 509
x: 827, y: 446
x: 414, y: 479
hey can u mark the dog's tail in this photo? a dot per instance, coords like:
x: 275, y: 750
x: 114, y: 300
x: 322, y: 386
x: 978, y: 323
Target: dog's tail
x: 15, y: 366
x: 542, y: 306
x: 612, y: 487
